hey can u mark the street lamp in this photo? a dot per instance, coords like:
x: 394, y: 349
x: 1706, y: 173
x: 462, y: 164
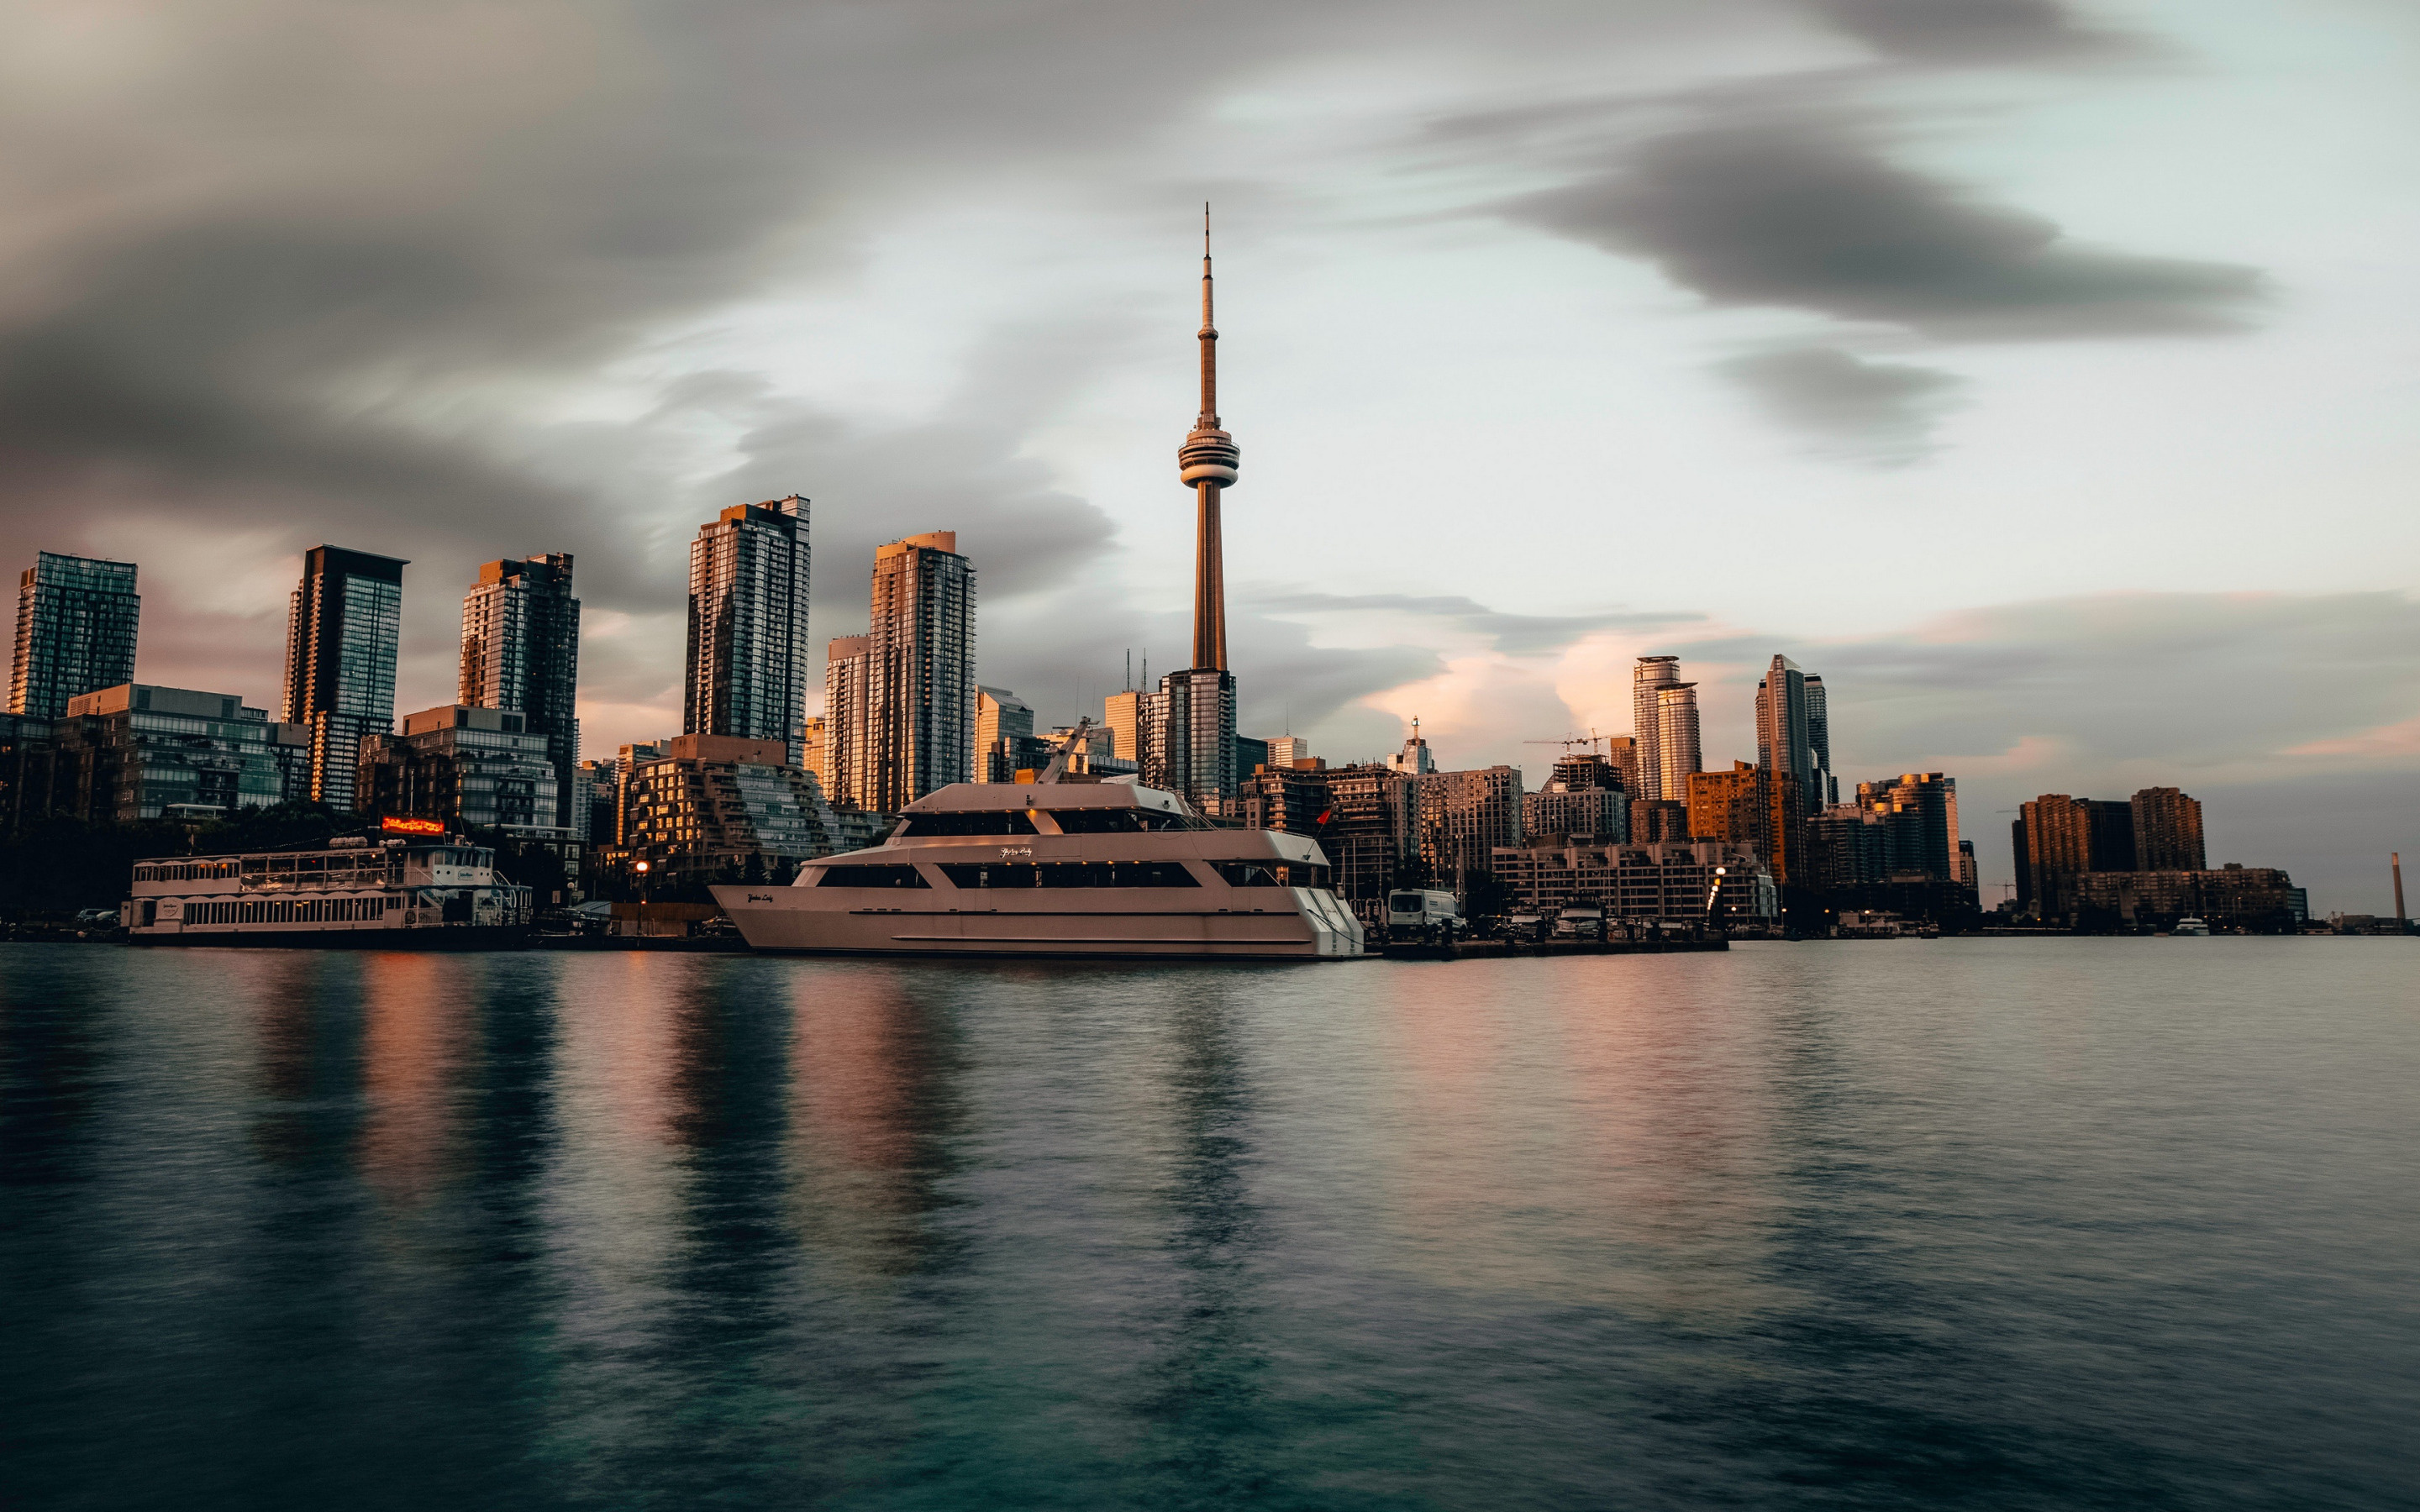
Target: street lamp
x: 642, y: 870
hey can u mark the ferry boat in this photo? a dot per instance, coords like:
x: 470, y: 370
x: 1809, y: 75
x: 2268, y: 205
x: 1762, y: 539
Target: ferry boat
x: 394, y: 895
x: 1059, y: 868
x: 2191, y: 926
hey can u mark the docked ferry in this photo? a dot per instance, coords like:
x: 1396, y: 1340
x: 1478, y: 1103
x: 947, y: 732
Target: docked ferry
x: 1052, y: 868
x: 394, y: 895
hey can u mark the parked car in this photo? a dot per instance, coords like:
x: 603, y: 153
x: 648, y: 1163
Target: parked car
x: 1580, y: 921
x: 97, y: 918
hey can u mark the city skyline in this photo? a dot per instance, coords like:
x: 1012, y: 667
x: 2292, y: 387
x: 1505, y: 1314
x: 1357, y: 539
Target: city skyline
x: 2024, y: 506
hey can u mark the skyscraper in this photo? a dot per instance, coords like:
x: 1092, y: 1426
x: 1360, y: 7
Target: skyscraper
x: 746, y: 672
x: 1649, y: 680
x: 1825, y: 790
x: 848, y: 754
x: 341, y: 631
x: 1189, y: 745
x: 520, y: 652
x: 1004, y: 740
x: 2168, y: 831
x: 77, y: 619
x: 1622, y: 754
x: 919, y: 685
x: 1919, y: 812
x: 1677, y: 756
x: 1782, y: 741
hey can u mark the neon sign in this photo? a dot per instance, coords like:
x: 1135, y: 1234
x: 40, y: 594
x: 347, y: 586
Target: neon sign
x: 394, y: 825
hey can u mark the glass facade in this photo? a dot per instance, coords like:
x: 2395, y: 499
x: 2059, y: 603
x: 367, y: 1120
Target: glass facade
x: 920, y: 688
x: 344, y: 624
x: 76, y: 622
x: 747, y: 661
x: 139, y: 752
x: 474, y: 766
x: 520, y: 650
x: 1188, y: 736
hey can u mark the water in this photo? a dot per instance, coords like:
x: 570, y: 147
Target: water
x: 2021, y: 1224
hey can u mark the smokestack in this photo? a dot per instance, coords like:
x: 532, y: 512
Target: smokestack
x: 2402, y: 925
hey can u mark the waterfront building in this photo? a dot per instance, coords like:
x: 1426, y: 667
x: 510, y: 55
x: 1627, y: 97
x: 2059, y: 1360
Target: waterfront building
x: 1663, y: 882
x: 1756, y: 807
x: 76, y: 623
x: 2168, y: 831
x: 1659, y: 822
x: 919, y: 683
x: 849, y: 743
x: 1847, y: 846
x: 1188, y: 733
x: 746, y: 669
x: 1920, y: 813
x: 1969, y: 875
x: 1649, y: 679
x: 1293, y: 798
x: 1460, y: 818
x: 520, y: 652
x: 342, y: 625
x: 1368, y: 834
x: 2260, y: 899
x: 701, y: 809
x: 143, y: 752
x: 2067, y: 838
x: 474, y: 767
x: 28, y: 764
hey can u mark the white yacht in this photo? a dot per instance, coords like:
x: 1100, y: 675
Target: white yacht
x: 2191, y: 926
x: 441, y: 895
x: 1058, y: 867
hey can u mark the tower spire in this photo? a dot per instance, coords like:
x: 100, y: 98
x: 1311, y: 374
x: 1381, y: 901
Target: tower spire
x: 1207, y: 462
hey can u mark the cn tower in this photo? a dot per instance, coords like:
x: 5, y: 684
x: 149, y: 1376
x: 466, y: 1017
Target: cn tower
x: 1206, y: 462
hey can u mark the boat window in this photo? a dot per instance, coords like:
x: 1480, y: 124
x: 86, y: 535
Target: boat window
x: 1272, y: 873
x: 1070, y: 874
x: 1121, y: 821
x: 862, y: 874
x: 977, y: 822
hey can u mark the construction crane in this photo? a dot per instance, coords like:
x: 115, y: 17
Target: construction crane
x: 1058, y: 767
x: 1593, y: 741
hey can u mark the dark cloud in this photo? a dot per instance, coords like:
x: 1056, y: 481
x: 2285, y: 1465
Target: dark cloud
x: 1805, y: 209
x: 1878, y: 412
x: 1973, y: 31
x: 1516, y: 635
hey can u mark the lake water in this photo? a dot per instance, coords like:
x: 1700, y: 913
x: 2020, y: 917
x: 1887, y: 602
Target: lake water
x: 2010, y: 1222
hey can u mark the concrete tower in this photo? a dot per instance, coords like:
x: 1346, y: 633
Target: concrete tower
x: 1190, y: 724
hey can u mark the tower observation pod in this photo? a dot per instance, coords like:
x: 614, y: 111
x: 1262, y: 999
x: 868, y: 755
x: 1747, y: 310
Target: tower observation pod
x: 1207, y: 463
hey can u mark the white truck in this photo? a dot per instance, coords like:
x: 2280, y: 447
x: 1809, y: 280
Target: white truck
x: 1580, y: 921
x: 1414, y: 915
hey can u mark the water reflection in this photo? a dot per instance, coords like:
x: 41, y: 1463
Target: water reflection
x: 872, y: 1105
x: 55, y: 1025
x: 415, y: 1031
x: 306, y: 1011
x: 1207, y: 1398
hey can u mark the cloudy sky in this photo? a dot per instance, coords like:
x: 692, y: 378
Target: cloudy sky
x: 2043, y: 375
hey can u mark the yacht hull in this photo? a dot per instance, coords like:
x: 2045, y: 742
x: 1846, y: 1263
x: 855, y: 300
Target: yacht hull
x: 822, y: 922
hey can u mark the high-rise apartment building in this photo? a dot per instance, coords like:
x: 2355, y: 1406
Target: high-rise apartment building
x: 848, y: 742
x: 2065, y: 837
x: 2168, y: 831
x: 1756, y: 807
x: 747, y: 669
x: 1919, y: 812
x: 342, y: 629
x: 1289, y: 750
x: 140, y: 751
x: 1824, y: 790
x: 76, y: 623
x: 1415, y: 759
x: 1782, y: 740
x: 521, y: 652
x: 1677, y: 755
x: 919, y: 685
x: 1461, y: 817
x: 1649, y: 679
x: 1188, y: 734
x: 1622, y: 754
x: 811, y: 754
